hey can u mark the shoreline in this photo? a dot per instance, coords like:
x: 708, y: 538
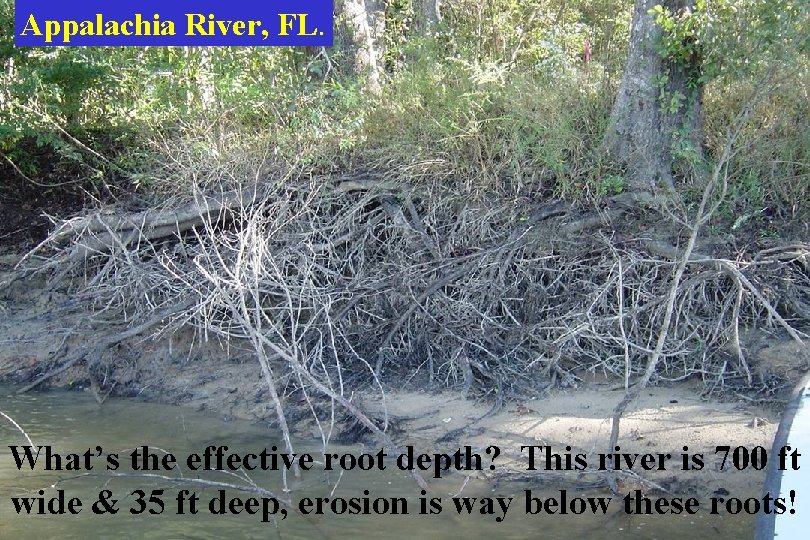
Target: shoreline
x: 228, y: 384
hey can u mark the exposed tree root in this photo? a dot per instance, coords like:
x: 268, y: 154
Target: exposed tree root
x: 335, y: 284
x: 103, y: 343
x: 715, y: 188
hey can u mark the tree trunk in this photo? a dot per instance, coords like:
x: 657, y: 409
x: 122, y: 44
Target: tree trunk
x: 648, y: 117
x: 366, y: 62
x: 205, y: 79
x: 427, y: 14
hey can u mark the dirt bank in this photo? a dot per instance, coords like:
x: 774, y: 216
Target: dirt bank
x: 36, y: 324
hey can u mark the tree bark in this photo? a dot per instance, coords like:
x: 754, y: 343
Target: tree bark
x: 366, y: 61
x: 644, y: 124
x: 427, y: 14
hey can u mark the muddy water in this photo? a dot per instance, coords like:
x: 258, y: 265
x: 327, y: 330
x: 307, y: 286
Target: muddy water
x: 74, y: 422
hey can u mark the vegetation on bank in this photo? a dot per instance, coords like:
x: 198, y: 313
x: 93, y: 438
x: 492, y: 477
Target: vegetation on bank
x: 500, y: 96
x: 497, y: 196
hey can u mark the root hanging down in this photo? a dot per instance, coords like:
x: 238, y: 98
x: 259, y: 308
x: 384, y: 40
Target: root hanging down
x: 340, y: 287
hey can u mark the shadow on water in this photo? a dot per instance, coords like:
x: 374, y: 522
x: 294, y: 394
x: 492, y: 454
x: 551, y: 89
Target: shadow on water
x: 74, y: 422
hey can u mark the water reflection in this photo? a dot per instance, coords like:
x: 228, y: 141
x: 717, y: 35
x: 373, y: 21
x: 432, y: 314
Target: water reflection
x: 74, y: 422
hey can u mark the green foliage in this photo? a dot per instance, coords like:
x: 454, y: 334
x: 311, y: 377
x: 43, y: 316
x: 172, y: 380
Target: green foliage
x: 495, y: 94
x: 681, y: 41
x: 743, y: 52
x: 496, y: 97
x: 731, y: 38
x: 484, y: 126
x: 611, y: 184
x: 399, y: 19
x: 542, y: 35
x: 771, y: 171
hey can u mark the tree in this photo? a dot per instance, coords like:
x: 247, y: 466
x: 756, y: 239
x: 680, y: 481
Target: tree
x: 427, y: 14
x: 366, y: 60
x: 659, y: 100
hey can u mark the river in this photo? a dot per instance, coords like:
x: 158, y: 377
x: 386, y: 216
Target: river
x: 72, y: 422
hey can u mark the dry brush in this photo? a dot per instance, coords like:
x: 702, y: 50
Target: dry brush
x: 339, y: 285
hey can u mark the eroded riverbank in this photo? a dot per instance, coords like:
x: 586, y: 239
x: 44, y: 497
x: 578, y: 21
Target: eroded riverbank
x: 222, y: 386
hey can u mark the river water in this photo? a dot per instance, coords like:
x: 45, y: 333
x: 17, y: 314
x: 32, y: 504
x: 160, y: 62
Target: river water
x: 74, y: 422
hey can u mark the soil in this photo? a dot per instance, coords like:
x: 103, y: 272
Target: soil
x: 24, y: 212
x: 36, y: 325
x: 20, y: 225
